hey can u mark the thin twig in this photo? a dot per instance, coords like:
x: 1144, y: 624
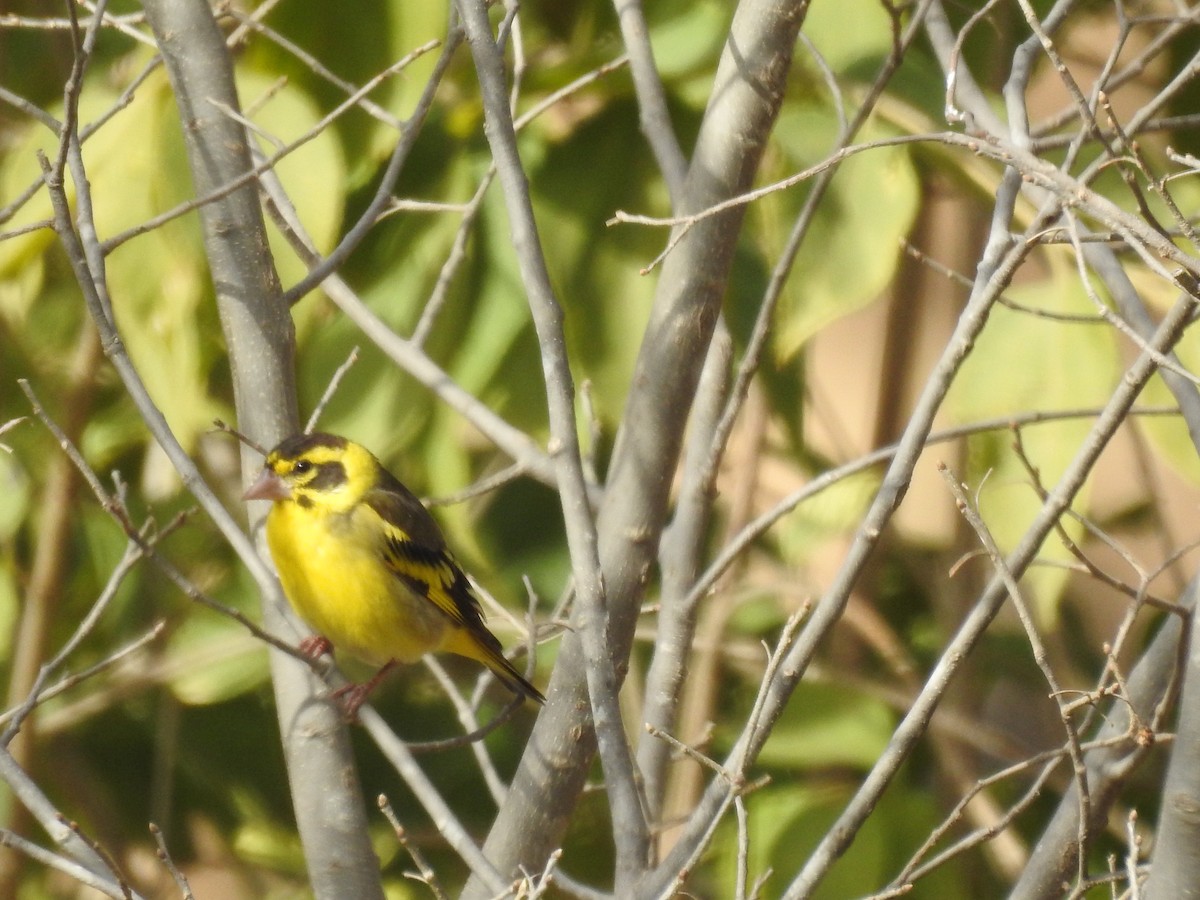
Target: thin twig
x: 470, y: 723
x: 425, y: 873
x: 355, y: 235
x: 70, y: 681
x: 115, y: 508
x: 164, y: 856
x: 68, y: 867
x: 268, y: 164
x: 14, y: 717
x: 221, y: 426
x: 448, y: 824
x: 330, y: 390
x: 504, y: 716
x: 970, y: 513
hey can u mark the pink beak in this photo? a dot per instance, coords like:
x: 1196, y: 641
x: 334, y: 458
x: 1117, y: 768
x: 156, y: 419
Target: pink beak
x: 268, y: 486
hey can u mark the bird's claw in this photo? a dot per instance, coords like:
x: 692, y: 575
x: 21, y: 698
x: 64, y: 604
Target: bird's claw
x: 350, y: 698
x: 315, y: 646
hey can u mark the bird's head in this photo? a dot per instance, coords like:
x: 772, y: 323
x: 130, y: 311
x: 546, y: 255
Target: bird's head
x: 316, y: 470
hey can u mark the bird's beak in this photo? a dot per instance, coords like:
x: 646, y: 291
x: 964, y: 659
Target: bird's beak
x: 268, y: 486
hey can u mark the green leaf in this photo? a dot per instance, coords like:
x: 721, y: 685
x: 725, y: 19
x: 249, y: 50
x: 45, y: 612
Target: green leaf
x: 786, y: 821
x: 596, y: 270
x: 499, y: 313
x: 10, y: 601
x: 829, y: 725
x: 1020, y: 363
x: 783, y: 824
x: 687, y: 37
x: 1169, y: 435
x: 15, y: 488
x: 833, y: 512
x: 314, y: 174
x: 849, y: 32
x: 214, y: 659
x: 852, y: 247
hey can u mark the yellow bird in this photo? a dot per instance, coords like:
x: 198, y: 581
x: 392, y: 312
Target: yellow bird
x: 365, y: 564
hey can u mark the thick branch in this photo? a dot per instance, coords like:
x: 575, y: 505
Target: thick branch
x: 258, y: 332
x: 590, y: 619
x: 746, y: 98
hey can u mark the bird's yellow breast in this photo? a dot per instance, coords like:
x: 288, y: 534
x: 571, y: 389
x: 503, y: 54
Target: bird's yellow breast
x: 332, y: 569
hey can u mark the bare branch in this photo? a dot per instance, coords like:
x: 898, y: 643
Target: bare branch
x: 629, y: 820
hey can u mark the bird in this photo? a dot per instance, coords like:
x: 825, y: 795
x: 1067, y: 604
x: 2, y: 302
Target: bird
x: 364, y: 563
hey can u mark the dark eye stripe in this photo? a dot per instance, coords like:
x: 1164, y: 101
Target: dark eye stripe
x: 329, y: 475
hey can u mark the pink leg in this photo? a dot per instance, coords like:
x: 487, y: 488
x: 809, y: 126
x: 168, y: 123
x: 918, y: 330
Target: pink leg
x: 353, y: 696
x: 315, y: 646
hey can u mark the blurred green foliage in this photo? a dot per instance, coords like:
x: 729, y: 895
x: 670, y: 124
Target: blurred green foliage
x: 190, y: 735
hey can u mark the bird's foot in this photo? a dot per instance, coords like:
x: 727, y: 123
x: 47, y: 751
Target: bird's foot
x: 350, y: 697
x: 315, y: 646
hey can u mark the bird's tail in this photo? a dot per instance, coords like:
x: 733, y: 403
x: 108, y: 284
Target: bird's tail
x: 486, y: 649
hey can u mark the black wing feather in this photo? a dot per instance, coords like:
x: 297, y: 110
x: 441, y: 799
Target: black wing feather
x: 416, y: 552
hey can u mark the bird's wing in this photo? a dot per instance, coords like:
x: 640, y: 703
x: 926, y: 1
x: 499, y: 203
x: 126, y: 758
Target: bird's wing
x: 414, y: 550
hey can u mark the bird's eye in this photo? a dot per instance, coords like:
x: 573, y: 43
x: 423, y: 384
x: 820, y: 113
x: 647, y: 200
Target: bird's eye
x: 301, y: 467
